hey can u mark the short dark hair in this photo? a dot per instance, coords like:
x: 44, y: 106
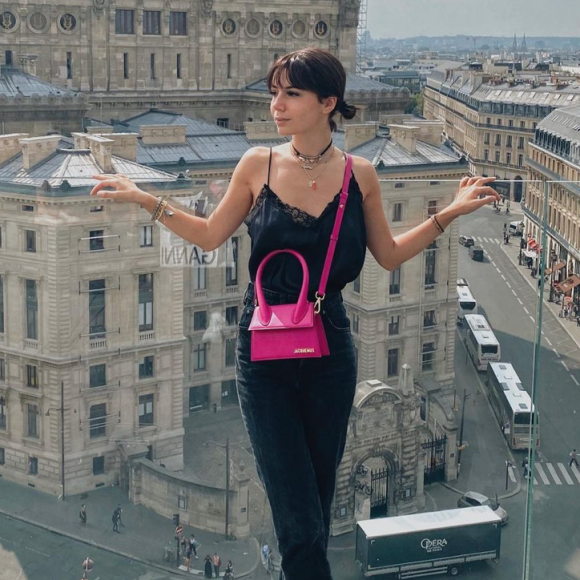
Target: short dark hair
x: 315, y: 70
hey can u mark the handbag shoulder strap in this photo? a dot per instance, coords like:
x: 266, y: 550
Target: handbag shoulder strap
x: 336, y: 229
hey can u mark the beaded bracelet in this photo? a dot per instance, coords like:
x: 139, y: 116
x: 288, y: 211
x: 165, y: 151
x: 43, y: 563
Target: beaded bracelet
x: 156, y: 212
x: 437, y: 224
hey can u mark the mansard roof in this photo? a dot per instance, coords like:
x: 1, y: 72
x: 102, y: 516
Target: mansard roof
x: 564, y: 122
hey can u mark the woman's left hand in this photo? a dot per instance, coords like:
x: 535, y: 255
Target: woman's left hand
x: 474, y: 192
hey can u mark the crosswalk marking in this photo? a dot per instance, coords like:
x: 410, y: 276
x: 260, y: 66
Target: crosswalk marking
x: 512, y: 474
x: 541, y: 473
x: 554, y: 473
x: 576, y: 473
x: 565, y: 474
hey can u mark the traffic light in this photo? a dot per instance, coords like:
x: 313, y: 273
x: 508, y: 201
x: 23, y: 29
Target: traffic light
x: 175, y: 520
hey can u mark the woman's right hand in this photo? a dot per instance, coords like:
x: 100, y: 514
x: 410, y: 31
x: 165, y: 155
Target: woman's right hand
x: 119, y: 188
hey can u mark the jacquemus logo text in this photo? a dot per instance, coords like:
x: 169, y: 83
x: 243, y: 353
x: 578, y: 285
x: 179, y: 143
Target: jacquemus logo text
x: 303, y: 350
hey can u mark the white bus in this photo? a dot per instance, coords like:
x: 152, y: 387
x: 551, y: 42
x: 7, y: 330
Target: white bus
x: 467, y: 303
x: 512, y: 405
x: 480, y: 341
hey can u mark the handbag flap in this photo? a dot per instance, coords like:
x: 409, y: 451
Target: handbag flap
x: 282, y: 318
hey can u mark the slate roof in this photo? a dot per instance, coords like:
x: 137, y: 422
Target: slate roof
x: 354, y: 83
x: 14, y: 82
x: 564, y: 122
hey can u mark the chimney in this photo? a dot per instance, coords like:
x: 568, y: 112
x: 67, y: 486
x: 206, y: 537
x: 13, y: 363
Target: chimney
x: 124, y: 144
x: 101, y: 148
x: 36, y: 149
x: 28, y: 63
x: 99, y: 130
x: 162, y: 134
x: 431, y: 132
x: 405, y: 136
x: 261, y: 130
x: 355, y: 135
x: 10, y: 145
x: 80, y: 140
x: 406, y: 386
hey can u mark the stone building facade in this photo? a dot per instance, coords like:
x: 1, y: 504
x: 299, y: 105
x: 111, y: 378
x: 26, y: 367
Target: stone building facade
x: 91, y: 341
x: 554, y: 156
x: 492, y: 120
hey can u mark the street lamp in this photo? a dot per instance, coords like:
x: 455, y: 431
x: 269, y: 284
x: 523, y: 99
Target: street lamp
x: 61, y: 409
x: 508, y: 464
x: 553, y: 257
x: 227, y: 448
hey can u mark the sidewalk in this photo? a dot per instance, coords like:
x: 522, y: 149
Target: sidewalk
x: 512, y: 251
x: 143, y: 539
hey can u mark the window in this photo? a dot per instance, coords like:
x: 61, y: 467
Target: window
x: 199, y: 277
x: 356, y: 285
x: 1, y: 303
x: 97, y: 375
x: 178, y: 23
x: 397, y: 212
x: 429, y: 318
x: 520, y: 160
x: 96, y: 208
x: 2, y: 456
x: 178, y: 67
x: 232, y: 261
x: 230, y: 352
x: 355, y: 323
x: 32, y: 376
x: 508, y: 158
x: 151, y: 22
x: 486, y: 155
x: 0, y: 237
x: 152, y: 66
x: 223, y: 122
x: 392, y: 362
x: 145, y: 302
x: 146, y: 236
x: 3, y: 413
x: 199, y: 357
x: 488, y: 121
x: 31, y: 310
x: 2, y: 369
x: 394, y: 322
x: 497, y: 154
x: 146, y: 410
x: 399, y: 185
x: 430, y: 264
x: 427, y: 356
x: 125, y: 65
x: 521, y: 143
x: 432, y: 207
x: 146, y: 367
x: 200, y: 320
x: 96, y: 308
x: 395, y: 281
x: 229, y: 66
x: 434, y: 183
x: 30, y: 239
x: 522, y: 124
x: 96, y: 241
x: 231, y: 315
x: 99, y: 465
x: 27, y: 208
x: 499, y: 122
x: 33, y: 465
x: 69, y: 65
x: 508, y: 141
x: 124, y: 22
x: 486, y: 139
x: 32, y: 416
x: 510, y: 123
x: 498, y: 140
x: 8, y: 57
x: 98, y: 420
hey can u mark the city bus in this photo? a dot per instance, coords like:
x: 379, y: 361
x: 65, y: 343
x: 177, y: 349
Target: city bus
x: 512, y: 405
x: 480, y: 341
x: 467, y: 303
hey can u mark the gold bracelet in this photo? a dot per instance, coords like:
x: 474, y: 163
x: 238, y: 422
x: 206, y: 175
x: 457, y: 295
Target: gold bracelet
x: 156, y: 213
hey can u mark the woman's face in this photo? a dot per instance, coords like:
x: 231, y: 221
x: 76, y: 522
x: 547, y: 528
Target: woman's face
x: 297, y: 110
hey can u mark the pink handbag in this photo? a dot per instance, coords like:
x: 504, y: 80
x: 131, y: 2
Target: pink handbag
x: 285, y: 331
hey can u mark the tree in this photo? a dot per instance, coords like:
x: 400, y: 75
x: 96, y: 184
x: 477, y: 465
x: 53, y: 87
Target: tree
x: 415, y: 106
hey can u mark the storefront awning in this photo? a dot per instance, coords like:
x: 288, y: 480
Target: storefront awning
x: 557, y: 267
x: 529, y: 254
x: 569, y: 283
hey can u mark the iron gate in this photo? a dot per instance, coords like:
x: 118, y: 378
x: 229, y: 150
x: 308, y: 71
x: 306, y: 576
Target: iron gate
x: 379, y: 493
x: 435, y: 459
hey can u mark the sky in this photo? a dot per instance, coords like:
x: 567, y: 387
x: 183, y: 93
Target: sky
x: 405, y: 18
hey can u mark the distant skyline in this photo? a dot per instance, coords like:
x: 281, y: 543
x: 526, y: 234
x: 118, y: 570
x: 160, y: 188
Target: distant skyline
x: 405, y: 18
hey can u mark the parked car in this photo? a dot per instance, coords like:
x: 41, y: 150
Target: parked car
x: 474, y: 499
x: 462, y: 282
x: 476, y: 253
x: 466, y: 241
x: 516, y: 228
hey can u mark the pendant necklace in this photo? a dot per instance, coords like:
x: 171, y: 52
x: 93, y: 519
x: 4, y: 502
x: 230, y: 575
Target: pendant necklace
x: 312, y: 179
x: 308, y: 160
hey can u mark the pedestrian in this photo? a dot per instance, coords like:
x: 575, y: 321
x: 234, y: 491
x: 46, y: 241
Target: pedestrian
x: 526, y: 466
x: 573, y: 458
x: 120, y: 514
x: 83, y: 515
x: 298, y: 464
x: 216, y: 564
x: 193, y: 544
x: 207, y: 571
x: 116, y: 519
x: 184, y: 547
x: 229, y: 571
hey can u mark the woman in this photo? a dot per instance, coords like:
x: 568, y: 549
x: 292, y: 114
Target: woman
x: 296, y: 410
x: 229, y: 571
x: 207, y: 567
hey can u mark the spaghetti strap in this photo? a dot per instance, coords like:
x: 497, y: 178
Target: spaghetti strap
x: 269, y: 166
